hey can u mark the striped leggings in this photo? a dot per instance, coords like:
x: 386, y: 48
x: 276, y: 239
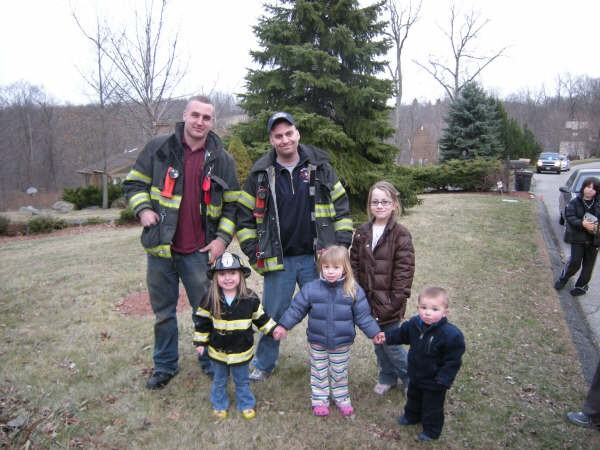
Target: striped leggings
x: 329, y: 369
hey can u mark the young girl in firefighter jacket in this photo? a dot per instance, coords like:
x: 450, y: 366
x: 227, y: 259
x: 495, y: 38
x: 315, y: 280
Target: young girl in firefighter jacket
x: 223, y: 323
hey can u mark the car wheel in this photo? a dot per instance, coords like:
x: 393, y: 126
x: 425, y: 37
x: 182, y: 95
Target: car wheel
x: 539, y: 171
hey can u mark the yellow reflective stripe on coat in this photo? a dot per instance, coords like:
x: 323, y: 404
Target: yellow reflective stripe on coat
x: 231, y: 358
x: 343, y: 225
x: 244, y: 234
x: 139, y: 199
x: 232, y: 325
x: 324, y: 210
x: 164, y: 251
x: 231, y: 196
x: 201, y: 337
x: 227, y: 226
x: 258, y: 313
x: 267, y: 327
x: 201, y: 312
x: 135, y: 175
x: 172, y: 202
x: 269, y: 265
x: 213, y: 211
x: 246, y: 200
x: 338, y: 191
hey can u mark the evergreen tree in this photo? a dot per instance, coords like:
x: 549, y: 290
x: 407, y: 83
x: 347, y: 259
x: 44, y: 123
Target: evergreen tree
x: 243, y: 163
x: 473, y: 126
x: 319, y: 60
x: 531, y: 147
x: 510, y: 135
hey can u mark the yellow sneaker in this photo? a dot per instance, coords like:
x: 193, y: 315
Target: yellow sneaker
x: 220, y: 413
x: 249, y: 414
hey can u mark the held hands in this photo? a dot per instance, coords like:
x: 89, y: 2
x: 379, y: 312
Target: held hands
x: 379, y: 338
x: 200, y: 350
x: 279, y: 333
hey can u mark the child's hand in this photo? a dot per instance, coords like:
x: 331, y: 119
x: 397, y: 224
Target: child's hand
x: 379, y: 338
x: 279, y: 333
x: 200, y: 350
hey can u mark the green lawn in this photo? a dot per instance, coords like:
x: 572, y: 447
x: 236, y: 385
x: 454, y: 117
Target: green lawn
x: 72, y: 367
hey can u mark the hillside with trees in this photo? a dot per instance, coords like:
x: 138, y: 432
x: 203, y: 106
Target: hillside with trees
x: 326, y: 62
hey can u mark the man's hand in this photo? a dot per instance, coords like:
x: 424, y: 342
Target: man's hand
x: 148, y: 217
x: 215, y: 248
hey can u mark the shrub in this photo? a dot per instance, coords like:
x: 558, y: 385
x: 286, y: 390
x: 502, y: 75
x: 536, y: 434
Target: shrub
x: 4, y: 223
x: 95, y: 221
x: 45, y: 224
x: 126, y: 217
x: 91, y: 195
x: 476, y: 175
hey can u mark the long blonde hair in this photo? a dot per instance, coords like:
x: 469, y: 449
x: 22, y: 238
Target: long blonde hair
x: 391, y: 190
x: 338, y: 255
x: 215, y: 293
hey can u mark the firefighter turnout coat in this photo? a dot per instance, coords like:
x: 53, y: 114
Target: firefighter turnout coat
x: 145, y: 185
x: 258, y: 216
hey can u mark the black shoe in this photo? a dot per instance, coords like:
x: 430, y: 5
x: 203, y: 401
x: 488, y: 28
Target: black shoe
x: 402, y: 420
x: 559, y: 284
x: 580, y: 419
x: 425, y: 437
x: 159, y: 380
x: 577, y: 291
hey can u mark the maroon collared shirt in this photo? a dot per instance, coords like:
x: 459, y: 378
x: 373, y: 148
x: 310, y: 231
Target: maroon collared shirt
x: 189, y: 235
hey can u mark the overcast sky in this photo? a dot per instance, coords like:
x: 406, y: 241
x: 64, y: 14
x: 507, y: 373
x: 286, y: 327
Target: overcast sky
x: 40, y: 43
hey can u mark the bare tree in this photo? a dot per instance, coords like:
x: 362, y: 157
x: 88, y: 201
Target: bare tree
x: 400, y: 22
x: 465, y: 65
x: 103, y: 85
x: 147, y: 65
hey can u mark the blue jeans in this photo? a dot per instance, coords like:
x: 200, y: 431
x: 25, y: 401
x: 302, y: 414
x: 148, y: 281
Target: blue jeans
x: 218, y: 390
x: 162, y: 278
x: 278, y: 290
x: 391, y: 360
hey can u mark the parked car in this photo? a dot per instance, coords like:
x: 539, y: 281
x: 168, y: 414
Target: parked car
x: 572, y: 188
x: 565, y: 163
x: 548, y: 162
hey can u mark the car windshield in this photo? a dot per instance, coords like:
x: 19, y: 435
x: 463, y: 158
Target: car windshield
x: 576, y: 186
x: 549, y: 156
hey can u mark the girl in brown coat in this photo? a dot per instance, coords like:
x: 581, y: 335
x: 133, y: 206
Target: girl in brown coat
x: 383, y: 262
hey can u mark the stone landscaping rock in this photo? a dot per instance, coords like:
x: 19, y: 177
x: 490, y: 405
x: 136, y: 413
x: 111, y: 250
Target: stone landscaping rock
x: 63, y: 207
x: 29, y: 209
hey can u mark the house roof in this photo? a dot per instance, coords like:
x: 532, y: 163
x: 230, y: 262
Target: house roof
x: 114, y: 163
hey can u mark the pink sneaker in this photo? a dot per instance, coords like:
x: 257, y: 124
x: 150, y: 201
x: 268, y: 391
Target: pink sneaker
x: 320, y: 411
x: 347, y: 410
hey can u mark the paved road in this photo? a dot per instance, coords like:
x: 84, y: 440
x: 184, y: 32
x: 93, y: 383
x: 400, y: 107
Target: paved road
x: 582, y: 313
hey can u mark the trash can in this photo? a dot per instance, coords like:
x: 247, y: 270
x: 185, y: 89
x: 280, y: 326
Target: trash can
x: 523, y: 180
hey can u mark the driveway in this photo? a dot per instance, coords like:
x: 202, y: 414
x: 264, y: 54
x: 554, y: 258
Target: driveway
x: 581, y: 313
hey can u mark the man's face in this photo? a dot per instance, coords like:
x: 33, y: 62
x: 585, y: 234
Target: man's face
x: 198, y: 120
x: 284, y: 138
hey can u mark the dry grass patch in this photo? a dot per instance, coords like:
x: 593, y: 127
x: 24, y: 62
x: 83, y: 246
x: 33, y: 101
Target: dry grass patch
x: 73, y: 367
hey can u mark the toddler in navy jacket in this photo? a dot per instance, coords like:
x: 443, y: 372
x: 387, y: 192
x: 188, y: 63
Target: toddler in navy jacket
x: 434, y: 358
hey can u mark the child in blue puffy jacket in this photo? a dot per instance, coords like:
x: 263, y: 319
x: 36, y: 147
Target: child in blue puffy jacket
x: 335, y: 303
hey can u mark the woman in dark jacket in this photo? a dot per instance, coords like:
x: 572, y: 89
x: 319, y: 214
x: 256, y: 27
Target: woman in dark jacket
x: 581, y: 232
x: 383, y: 262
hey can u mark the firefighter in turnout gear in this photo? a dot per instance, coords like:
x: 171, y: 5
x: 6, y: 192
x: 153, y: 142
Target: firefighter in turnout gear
x: 292, y: 207
x: 183, y: 188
